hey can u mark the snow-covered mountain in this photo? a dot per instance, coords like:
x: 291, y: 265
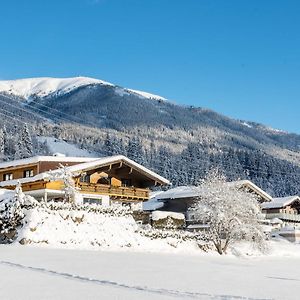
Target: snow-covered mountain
x: 179, y: 142
x: 46, y: 86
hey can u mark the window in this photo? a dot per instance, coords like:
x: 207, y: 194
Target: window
x: 104, y: 180
x: 126, y: 182
x: 85, y: 178
x: 92, y: 201
x: 28, y: 173
x: 8, y: 176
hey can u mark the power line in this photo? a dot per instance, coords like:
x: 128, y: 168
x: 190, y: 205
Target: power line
x: 49, y: 113
x: 20, y: 108
x: 13, y: 118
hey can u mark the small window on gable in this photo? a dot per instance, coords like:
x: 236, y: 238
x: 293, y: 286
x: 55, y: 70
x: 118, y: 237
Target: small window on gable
x: 126, y: 182
x: 8, y: 176
x: 28, y: 173
x: 85, y: 178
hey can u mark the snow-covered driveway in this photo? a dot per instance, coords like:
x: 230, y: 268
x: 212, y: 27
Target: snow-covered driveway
x: 41, y: 273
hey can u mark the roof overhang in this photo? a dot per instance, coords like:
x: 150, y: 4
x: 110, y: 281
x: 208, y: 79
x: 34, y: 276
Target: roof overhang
x: 118, y: 159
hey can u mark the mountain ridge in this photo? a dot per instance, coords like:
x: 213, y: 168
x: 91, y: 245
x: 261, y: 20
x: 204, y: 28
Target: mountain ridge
x: 179, y: 142
x: 53, y: 86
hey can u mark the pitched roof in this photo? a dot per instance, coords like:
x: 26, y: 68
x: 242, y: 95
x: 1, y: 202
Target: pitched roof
x: 95, y: 163
x: 192, y: 191
x: 36, y: 159
x: 253, y: 187
x: 179, y: 192
x: 106, y: 161
x: 280, y: 202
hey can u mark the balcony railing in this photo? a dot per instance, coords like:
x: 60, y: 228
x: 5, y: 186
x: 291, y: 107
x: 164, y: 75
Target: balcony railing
x: 115, y: 191
x: 284, y: 216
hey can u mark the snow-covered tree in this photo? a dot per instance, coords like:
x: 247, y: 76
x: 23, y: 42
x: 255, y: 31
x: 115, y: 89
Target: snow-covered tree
x: 232, y: 214
x: 71, y: 192
x: 135, y: 150
x: 2, y: 144
x: 24, y: 146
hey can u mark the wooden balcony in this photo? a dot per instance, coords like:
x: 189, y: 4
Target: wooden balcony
x: 117, y: 192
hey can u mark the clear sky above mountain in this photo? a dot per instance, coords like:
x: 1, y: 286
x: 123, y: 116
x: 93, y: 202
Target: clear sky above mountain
x: 240, y: 58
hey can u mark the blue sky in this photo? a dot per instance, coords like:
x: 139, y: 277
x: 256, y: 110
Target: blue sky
x: 240, y: 58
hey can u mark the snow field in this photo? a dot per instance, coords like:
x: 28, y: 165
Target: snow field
x: 40, y: 273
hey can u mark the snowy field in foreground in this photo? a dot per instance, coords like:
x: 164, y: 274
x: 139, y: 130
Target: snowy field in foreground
x: 43, y: 273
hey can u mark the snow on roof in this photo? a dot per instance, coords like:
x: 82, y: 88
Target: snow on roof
x: 90, y: 164
x: 192, y: 191
x: 179, y: 192
x: 36, y: 159
x: 115, y: 159
x: 41, y: 176
x: 258, y: 190
x: 5, y: 193
x: 152, y: 204
x: 275, y: 221
x: 280, y: 202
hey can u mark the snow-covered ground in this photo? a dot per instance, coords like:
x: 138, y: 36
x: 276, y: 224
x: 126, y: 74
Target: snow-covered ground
x: 60, y: 146
x: 42, y: 273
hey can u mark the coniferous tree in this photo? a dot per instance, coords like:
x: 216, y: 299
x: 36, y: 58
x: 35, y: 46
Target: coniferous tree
x: 24, y: 146
x: 2, y: 144
x: 135, y: 150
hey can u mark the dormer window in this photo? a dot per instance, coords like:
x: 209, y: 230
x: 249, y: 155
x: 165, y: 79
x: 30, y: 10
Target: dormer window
x: 28, y: 173
x: 8, y: 176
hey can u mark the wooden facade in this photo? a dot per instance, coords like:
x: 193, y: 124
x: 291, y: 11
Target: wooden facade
x: 286, y: 210
x: 36, y: 168
x: 118, y: 178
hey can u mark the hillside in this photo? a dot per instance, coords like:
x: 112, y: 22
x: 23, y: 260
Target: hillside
x: 180, y: 142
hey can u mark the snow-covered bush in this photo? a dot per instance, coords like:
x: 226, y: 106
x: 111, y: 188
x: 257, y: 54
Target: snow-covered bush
x: 167, y: 220
x: 12, y: 205
x: 231, y: 214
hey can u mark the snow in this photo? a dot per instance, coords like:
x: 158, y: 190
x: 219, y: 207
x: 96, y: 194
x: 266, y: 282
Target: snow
x: 179, y: 192
x: 114, y: 159
x: 147, y: 95
x: 124, y: 91
x: 4, y: 194
x: 159, y: 215
x: 36, y: 159
x: 254, y: 187
x: 152, y: 204
x: 280, y: 202
x: 246, y: 124
x: 193, y: 191
x: 42, y: 273
x: 46, y: 86
x: 89, y: 164
x: 57, y: 146
x: 93, y: 227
